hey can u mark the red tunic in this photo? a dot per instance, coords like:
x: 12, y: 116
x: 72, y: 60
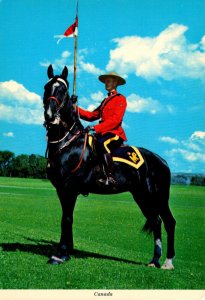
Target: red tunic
x: 111, y: 112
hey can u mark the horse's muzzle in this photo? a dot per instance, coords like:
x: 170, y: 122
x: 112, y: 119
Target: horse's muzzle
x: 55, y: 121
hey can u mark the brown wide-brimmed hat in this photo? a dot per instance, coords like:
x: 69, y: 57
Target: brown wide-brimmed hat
x: 120, y: 80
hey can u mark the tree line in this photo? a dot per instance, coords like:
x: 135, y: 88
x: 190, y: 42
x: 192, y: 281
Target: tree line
x: 188, y: 179
x: 26, y: 166
x: 34, y: 166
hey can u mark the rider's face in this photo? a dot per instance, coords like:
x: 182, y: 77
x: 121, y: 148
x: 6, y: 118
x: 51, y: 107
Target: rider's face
x: 110, y: 84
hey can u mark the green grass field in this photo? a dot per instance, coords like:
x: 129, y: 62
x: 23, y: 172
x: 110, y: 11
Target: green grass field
x: 111, y: 250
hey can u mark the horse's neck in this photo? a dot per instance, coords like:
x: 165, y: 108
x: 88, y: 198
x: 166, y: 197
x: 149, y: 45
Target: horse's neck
x: 70, y: 125
x: 56, y: 133
x: 71, y: 117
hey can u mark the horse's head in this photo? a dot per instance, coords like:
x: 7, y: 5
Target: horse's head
x: 55, y: 95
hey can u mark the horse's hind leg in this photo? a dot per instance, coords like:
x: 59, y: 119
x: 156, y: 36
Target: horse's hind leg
x: 153, y: 224
x: 169, y: 224
x: 157, y: 243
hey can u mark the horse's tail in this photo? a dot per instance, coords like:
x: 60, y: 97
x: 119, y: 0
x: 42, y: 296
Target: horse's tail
x: 150, y: 225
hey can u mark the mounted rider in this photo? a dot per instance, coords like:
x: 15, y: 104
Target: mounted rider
x: 109, y: 131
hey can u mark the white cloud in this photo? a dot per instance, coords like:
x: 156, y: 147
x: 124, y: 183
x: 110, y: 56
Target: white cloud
x: 168, y: 55
x: 190, y: 145
x: 138, y: 104
x: 17, y: 93
x: 168, y: 139
x: 198, y: 135
x: 188, y: 155
x: 91, y: 107
x: 21, y: 114
x: 66, y: 59
x: 135, y: 103
x: 85, y: 66
x: 65, y: 54
x: 202, y: 43
x: 90, y: 68
x: 19, y: 104
x: 170, y: 108
x: 59, y: 63
x: 93, y: 102
x: 99, y: 96
x: 125, y: 125
x: 83, y: 101
x: 189, y: 150
x: 8, y: 134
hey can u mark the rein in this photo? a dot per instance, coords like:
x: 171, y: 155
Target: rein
x: 82, y: 154
x: 67, y: 144
x: 69, y: 131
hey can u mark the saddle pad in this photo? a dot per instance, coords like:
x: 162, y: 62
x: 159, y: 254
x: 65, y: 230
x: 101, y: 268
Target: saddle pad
x: 126, y: 154
x: 129, y: 155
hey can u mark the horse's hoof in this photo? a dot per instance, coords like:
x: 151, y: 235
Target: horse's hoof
x: 54, y: 260
x: 153, y: 264
x: 168, y: 265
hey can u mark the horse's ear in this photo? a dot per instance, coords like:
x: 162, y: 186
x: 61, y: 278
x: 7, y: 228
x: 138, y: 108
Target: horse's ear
x: 50, y: 72
x: 65, y: 73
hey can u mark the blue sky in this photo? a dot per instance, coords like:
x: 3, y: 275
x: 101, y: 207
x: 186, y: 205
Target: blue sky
x: 158, y: 46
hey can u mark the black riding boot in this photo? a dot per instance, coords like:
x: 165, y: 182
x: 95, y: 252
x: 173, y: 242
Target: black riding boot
x: 109, y: 171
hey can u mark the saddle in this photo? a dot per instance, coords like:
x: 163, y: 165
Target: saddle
x: 129, y: 155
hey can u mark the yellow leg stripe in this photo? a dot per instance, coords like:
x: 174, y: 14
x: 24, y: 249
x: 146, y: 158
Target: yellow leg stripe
x: 115, y: 138
x: 90, y: 140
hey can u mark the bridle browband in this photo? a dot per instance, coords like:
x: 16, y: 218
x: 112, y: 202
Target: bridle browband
x: 61, y: 80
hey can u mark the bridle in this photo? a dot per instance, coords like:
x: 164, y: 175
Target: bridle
x: 54, y: 98
x: 58, y: 120
x: 60, y: 105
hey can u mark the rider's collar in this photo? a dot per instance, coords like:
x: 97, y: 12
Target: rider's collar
x: 114, y: 92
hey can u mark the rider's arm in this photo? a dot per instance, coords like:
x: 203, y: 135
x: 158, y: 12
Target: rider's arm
x: 89, y: 115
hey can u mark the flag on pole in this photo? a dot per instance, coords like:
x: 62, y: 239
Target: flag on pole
x: 71, y: 31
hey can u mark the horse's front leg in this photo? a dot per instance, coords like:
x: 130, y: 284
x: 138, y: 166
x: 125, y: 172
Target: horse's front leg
x: 65, y: 246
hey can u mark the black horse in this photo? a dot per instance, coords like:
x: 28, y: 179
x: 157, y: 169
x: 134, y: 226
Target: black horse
x: 73, y: 169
